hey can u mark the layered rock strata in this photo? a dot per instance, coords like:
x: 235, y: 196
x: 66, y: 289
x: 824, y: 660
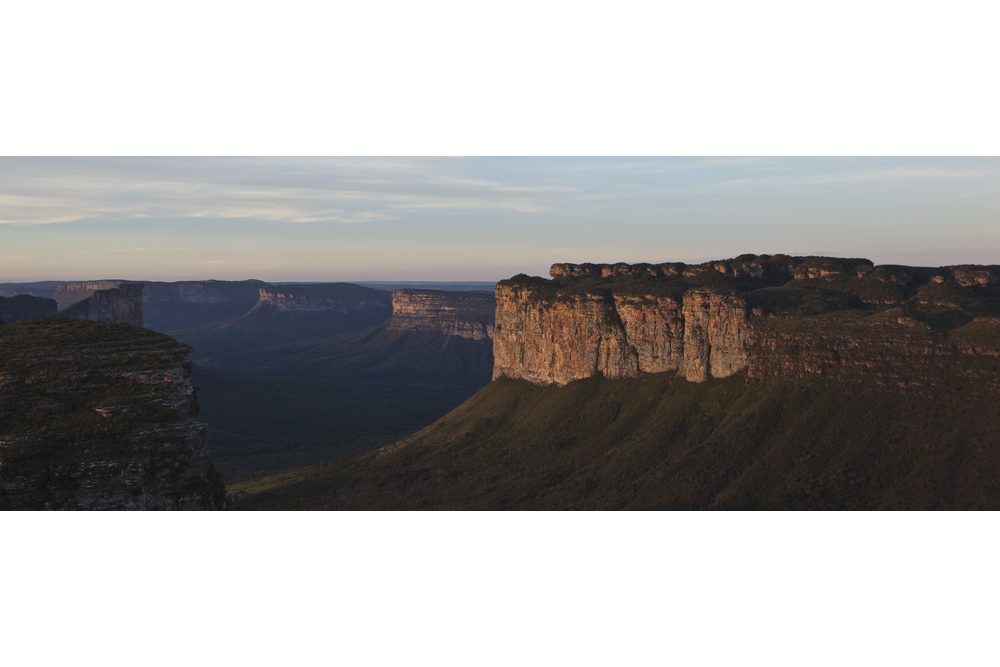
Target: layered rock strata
x: 698, y: 333
x: 99, y: 416
x: 620, y: 320
x: 119, y: 304
x: 465, y: 314
x: 337, y: 297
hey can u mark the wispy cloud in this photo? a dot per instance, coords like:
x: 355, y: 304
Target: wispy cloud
x: 145, y: 249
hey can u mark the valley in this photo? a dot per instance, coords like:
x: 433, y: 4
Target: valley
x: 757, y: 382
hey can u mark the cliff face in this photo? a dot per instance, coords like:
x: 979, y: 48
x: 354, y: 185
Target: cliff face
x: 119, y: 304
x: 99, y: 416
x: 24, y: 307
x: 338, y: 297
x: 69, y: 293
x: 204, y: 291
x: 845, y: 318
x: 698, y: 333
x: 465, y: 314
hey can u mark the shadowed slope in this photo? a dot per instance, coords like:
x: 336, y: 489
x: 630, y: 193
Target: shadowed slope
x: 660, y: 442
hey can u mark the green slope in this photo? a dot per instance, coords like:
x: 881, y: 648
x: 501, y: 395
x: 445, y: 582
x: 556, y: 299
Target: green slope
x: 658, y: 442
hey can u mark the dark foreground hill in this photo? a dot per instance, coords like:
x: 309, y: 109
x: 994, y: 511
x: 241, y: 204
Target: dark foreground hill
x: 660, y: 442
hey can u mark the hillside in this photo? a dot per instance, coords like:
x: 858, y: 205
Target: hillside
x: 661, y: 442
x: 96, y: 415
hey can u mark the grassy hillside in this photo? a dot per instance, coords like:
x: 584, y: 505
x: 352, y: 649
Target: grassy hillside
x: 257, y: 424
x: 373, y: 356
x: 658, y: 442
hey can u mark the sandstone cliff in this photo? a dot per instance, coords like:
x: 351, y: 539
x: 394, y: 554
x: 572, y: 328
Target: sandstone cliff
x: 119, y: 304
x: 465, y: 314
x: 99, y: 416
x: 337, y: 297
x: 770, y: 316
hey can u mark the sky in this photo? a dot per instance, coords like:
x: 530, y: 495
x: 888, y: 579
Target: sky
x: 451, y: 219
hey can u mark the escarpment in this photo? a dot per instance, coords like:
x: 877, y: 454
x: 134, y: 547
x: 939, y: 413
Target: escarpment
x: 769, y: 316
x: 118, y: 304
x: 337, y: 297
x: 69, y: 293
x: 464, y: 314
x: 97, y: 415
x: 203, y: 291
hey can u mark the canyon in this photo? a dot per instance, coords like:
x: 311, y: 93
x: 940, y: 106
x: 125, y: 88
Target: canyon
x: 770, y: 316
x: 97, y: 415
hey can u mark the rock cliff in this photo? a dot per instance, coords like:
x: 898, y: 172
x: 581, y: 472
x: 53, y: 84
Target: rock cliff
x: 464, y: 314
x: 69, y: 293
x: 118, y: 304
x: 204, y: 291
x: 99, y: 416
x: 770, y: 316
x: 338, y: 297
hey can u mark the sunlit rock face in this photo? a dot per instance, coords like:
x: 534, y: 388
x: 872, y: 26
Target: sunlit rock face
x: 770, y: 316
x: 118, y: 304
x: 699, y: 334
x: 465, y: 314
x: 338, y: 297
x: 97, y: 415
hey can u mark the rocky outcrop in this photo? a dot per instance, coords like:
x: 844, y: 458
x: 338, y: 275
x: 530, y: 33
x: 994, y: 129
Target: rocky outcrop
x: 120, y: 304
x: 697, y: 333
x: 99, y: 416
x: 69, y: 293
x: 337, y: 297
x: 24, y: 307
x: 623, y: 320
x: 465, y: 314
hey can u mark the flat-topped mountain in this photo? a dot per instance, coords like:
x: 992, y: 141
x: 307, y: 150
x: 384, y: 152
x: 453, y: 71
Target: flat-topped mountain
x: 465, y: 314
x: 340, y: 297
x: 766, y: 315
x: 117, y: 304
x: 759, y: 382
x: 99, y: 416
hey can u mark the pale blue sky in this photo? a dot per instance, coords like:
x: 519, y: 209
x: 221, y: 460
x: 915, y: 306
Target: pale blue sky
x: 478, y: 218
